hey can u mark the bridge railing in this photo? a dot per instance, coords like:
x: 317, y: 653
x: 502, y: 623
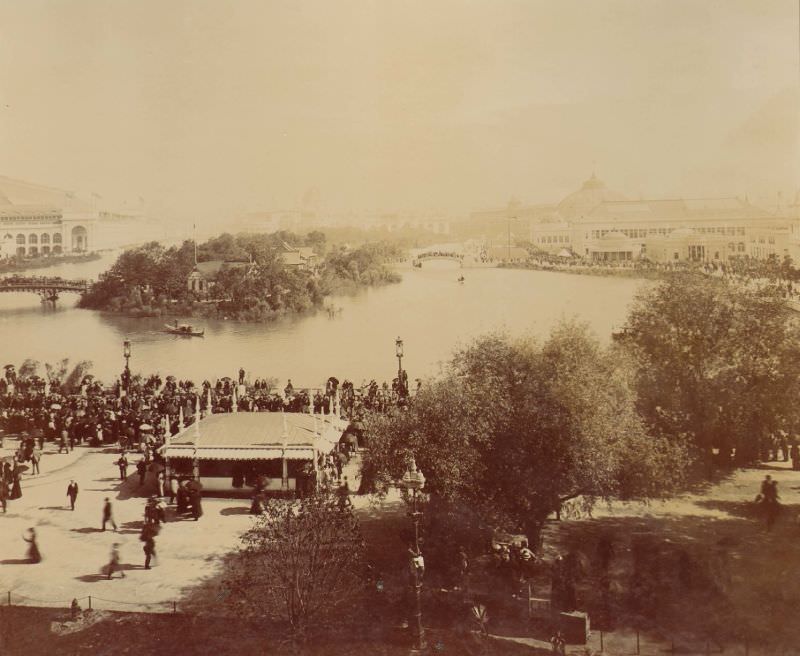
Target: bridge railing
x: 431, y: 255
x: 34, y: 284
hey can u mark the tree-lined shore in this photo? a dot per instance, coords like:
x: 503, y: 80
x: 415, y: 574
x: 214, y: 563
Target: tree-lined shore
x: 151, y: 280
x: 703, y: 377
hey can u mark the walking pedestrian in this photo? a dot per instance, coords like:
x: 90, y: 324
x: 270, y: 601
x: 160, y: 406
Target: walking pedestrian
x: 113, y: 563
x: 108, y: 515
x: 122, y: 463
x: 36, y: 456
x: 173, y: 488
x: 149, y: 548
x: 34, y: 555
x: 72, y: 493
x: 182, y: 499
x: 141, y: 469
x: 16, y: 486
x: 62, y: 444
x: 770, y: 500
x: 195, y: 503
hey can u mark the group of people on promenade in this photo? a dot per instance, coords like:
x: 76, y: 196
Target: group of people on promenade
x: 740, y: 270
x: 139, y: 414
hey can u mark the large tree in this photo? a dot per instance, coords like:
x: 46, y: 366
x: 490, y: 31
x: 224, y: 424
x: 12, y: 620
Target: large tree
x: 513, y: 429
x: 717, y: 363
x: 301, y: 562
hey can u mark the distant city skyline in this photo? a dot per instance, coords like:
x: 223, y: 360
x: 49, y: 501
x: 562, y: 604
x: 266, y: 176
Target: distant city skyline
x: 210, y: 110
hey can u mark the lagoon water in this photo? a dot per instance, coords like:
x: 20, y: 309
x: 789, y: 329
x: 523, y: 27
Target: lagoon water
x: 429, y: 309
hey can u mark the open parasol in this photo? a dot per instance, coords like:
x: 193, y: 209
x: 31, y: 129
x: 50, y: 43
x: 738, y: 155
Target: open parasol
x: 55, y: 406
x: 145, y: 427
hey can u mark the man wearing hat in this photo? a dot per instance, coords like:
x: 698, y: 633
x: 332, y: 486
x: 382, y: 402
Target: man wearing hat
x: 122, y: 463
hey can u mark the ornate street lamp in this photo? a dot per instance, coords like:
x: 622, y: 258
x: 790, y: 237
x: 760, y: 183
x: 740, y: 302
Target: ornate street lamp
x: 413, y: 481
x: 398, y: 349
x: 126, y: 352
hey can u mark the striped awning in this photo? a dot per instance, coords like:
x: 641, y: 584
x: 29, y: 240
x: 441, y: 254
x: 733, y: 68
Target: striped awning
x: 228, y: 453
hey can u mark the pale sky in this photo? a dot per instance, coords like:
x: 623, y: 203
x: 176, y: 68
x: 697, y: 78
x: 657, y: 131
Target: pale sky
x: 206, y: 108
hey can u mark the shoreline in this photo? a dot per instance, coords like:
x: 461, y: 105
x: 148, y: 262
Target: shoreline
x: 45, y: 263
x: 643, y: 274
x: 208, y: 310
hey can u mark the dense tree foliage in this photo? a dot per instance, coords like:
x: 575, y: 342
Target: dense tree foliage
x: 357, y: 266
x: 717, y: 363
x: 301, y: 562
x: 513, y: 429
x: 152, y: 280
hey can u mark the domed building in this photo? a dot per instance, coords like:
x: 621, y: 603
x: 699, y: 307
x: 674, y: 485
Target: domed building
x: 555, y: 233
x: 592, y: 193
x: 600, y: 224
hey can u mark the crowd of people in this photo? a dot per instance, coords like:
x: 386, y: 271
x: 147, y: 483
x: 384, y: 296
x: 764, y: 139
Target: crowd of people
x: 138, y: 413
x: 740, y: 270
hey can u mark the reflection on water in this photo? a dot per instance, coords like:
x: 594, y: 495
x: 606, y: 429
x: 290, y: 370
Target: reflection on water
x: 430, y: 310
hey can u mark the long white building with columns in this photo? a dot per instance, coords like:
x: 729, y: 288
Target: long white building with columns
x: 36, y: 220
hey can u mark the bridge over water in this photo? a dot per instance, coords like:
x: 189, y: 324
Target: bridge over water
x: 47, y: 288
x: 466, y: 260
x: 439, y: 255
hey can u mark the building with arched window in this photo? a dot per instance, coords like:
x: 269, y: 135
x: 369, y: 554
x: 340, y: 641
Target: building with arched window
x: 48, y: 221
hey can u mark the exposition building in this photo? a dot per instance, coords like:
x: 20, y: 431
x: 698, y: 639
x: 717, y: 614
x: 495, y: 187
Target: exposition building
x: 600, y: 224
x: 38, y: 221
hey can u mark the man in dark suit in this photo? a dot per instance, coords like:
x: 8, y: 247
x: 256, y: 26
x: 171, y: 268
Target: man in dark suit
x: 108, y: 515
x: 149, y: 548
x: 72, y: 493
x: 141, y: 469
x: 122, y: 463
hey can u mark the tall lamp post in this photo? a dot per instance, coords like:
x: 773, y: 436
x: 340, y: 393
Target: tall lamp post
x: 126, y: 352
x: 398, y: 349
x: 413, y: 481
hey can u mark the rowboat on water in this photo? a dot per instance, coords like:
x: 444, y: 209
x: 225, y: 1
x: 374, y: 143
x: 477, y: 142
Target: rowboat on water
x: 184, y: 330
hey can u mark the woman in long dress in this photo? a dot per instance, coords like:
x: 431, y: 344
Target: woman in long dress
x: 34, y: 554
x: 16, y: 488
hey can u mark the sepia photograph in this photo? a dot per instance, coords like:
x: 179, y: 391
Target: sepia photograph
x: 388, y: 327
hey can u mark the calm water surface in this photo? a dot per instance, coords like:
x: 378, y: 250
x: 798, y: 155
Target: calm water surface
x: 429, y: 309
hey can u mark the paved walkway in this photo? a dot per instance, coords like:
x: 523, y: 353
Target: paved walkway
x: 74, y: 548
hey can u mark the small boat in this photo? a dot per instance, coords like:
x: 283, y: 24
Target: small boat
x: 183, y: 330
x: 461, y: 280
